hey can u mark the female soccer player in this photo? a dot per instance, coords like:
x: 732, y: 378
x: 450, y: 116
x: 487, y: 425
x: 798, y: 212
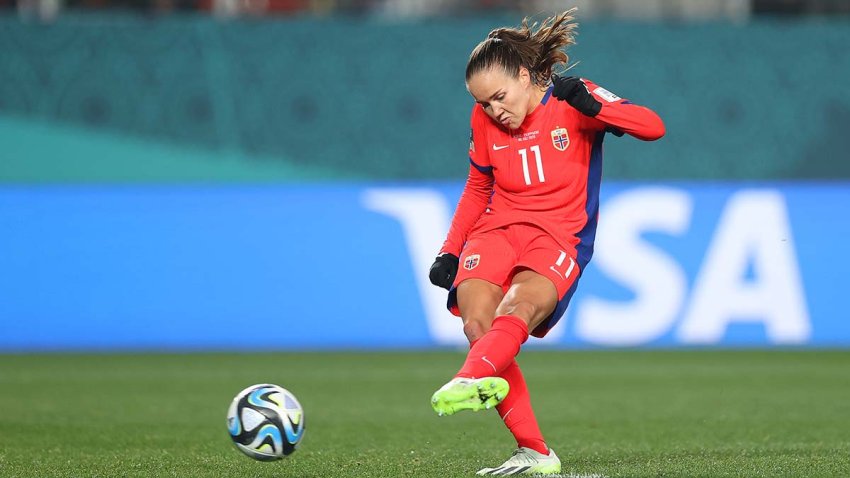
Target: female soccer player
x: 524, y: 228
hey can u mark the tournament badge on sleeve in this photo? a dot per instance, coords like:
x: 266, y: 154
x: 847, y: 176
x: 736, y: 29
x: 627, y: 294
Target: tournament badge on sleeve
x: 560, y: 139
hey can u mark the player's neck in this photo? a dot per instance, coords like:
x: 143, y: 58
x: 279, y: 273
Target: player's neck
x: 536, y: 97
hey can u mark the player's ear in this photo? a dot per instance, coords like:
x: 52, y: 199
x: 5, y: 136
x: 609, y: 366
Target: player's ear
x: 524, y: 76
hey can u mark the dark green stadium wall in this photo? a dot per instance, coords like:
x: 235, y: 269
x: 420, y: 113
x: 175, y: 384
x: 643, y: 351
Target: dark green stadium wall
x: 94, y: 98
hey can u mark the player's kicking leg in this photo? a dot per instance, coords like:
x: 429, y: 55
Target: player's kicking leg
x: 526, y: 461
x: 469, y: 394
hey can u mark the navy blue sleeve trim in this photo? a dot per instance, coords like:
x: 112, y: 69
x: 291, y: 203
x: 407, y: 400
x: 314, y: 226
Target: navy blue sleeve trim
x: 484, y: 169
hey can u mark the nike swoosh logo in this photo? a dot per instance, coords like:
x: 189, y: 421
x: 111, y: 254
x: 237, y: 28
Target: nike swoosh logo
x: 484, y: 358
x: 496, y: 148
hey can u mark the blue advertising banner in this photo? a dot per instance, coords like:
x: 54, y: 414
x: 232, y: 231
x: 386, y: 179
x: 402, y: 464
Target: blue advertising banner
x: 345, y: 266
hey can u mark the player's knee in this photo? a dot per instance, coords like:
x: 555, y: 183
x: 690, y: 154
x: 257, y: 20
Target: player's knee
x: 523, y: 309
x: 474, y: 329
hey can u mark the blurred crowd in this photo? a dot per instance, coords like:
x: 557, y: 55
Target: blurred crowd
x: 653, y: 9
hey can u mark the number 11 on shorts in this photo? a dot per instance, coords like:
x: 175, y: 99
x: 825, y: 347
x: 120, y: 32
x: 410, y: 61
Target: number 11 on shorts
x: 559, y: 264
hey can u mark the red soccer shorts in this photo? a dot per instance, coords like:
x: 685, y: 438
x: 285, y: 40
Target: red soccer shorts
x: 496, y: 256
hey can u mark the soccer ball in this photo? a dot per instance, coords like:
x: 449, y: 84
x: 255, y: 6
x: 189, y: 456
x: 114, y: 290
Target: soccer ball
x: 265, y: 422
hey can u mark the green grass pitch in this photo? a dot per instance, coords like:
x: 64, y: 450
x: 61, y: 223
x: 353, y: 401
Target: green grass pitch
x: 612, y: 414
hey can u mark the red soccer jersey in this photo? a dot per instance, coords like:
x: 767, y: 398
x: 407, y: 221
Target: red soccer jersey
x: 547, y: 172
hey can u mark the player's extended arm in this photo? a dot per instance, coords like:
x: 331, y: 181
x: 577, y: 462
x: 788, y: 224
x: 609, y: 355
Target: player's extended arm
x: 638, y: 121
x: 473, y: 201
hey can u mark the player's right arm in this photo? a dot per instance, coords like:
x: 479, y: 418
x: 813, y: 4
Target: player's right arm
x: 473, y: 201
x: 478, y: 190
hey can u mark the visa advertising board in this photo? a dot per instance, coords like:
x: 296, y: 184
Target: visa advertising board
x: 326, y: 266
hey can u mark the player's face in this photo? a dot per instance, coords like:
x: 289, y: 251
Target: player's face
x: 504, y: 98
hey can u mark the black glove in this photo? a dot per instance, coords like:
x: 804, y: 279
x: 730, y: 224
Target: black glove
x: 444, y: 270
x: 572, y: 90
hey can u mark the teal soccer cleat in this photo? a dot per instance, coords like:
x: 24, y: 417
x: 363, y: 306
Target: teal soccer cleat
x: 469, y: 394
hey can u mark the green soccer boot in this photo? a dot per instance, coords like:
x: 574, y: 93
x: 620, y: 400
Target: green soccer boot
x: 469, y: 394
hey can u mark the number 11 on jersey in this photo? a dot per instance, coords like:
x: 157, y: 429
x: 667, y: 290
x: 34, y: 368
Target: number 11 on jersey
x: 537, y: 159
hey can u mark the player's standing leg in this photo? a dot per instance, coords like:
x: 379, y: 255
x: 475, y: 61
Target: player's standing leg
x: 534, y: 296
x: 532, y: 455
x: 517, y: 413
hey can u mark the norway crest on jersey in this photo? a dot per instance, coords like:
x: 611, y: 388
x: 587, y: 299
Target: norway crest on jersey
x: 560, y: 139
x: 471, y: 262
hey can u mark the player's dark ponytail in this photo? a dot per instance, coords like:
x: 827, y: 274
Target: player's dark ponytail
x: 539, y: 51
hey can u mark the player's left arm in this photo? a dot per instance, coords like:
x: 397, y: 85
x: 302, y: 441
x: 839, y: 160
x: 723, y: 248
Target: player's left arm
x: 609, y: 110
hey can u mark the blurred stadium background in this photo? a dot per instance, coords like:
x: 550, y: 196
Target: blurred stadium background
x: 277, y: 175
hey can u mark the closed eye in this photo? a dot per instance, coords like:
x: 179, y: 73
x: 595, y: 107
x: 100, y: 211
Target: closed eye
x: 499, y: 96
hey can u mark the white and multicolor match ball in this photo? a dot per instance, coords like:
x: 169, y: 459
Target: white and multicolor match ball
x: 266, y: 422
